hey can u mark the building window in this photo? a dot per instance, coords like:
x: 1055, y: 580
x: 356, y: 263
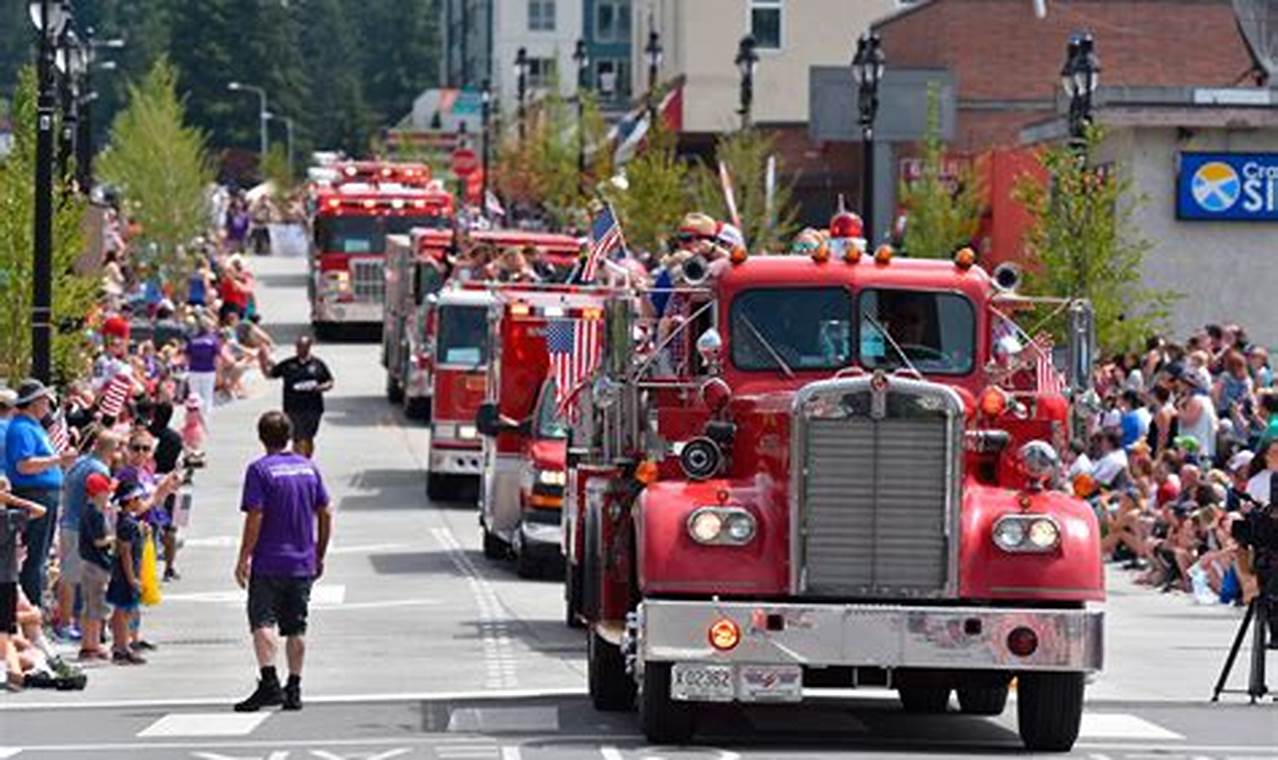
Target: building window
x: 541, y: 15
x: 612, y: 21
x: 612, y: 78
x: 541, y: 72
x: 765, y: 23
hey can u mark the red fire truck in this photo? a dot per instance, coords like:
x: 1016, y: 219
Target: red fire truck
x: 347, y: 280
x: 834, y: 472
x: 380, y: 172
x: 414, y: 274
x: 521, y: 494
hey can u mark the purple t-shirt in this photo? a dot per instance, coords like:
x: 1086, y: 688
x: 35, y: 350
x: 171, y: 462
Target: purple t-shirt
x: 201, y: 353
x: 288, y: 490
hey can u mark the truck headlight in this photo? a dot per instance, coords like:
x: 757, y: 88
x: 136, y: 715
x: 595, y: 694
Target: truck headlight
x: 731, y: 526
x: 466, y: 432
x: 1026, y: 533
x: 552, y: 477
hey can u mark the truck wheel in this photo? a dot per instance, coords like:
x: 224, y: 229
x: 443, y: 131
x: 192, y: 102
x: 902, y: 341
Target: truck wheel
x: 663, y: 720
x: 417, y: 408
x: 572, y: 595
x: 526, y: 563
x: 439, y: 487
x: 494, y: 547
x: 982, y: 700
x: 924, y: 699
x: 1049, y: 710
x: 591, y: 583
x: 394, y: 391
x: 611, y: 689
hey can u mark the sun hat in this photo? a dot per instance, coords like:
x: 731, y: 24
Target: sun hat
x: 30, y: 391
x: 8, y: 397
x: 1240, y: 460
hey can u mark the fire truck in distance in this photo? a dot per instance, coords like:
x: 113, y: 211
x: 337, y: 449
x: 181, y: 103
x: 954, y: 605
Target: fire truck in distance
x: 415, y: 270
x: 833, y: 472
x: 525, y: 438
x: 347, y: 279
x: 382, y: 172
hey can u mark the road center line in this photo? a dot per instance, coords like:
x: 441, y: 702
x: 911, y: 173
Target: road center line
x: 493, y: 619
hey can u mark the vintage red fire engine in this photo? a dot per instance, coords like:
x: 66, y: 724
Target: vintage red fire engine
x: 833, y: 471
x: 347, y: 280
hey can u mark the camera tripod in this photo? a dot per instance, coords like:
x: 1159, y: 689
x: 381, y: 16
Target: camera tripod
x: 1258, y: 618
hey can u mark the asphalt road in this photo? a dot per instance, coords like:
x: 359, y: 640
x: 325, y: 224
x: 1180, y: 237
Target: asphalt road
x: 420, y: 648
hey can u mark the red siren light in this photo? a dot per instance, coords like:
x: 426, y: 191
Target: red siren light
x: 846, y: 224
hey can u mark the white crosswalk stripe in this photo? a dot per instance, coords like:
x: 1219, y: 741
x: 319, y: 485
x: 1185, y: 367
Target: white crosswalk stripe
x: 204, y: 724
x: 1122, y: 726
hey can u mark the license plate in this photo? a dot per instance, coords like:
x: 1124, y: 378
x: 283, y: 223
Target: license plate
x: 702, y: 683
x: 771, y: 683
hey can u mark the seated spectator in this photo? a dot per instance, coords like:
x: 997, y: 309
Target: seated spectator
x: 1111, y: 471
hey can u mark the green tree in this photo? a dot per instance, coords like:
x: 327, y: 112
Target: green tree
x: 942, y: 218
x: 74, y: 293
x: 400, y: 44
x: 339, y: 117
x: 1083, y: 243
x: 745, y: 154
x: 162, y: 169
x: 656, y: 193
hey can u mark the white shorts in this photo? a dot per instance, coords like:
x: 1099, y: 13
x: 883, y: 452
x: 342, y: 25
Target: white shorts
x: 69, y: 562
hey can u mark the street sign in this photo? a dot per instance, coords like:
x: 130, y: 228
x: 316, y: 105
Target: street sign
x: 465, y: 162
x: 1227, y: 187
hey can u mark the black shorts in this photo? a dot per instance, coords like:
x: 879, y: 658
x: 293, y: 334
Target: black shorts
x: 9, y: 607
x: 305, y: 425
x: 279, y: 601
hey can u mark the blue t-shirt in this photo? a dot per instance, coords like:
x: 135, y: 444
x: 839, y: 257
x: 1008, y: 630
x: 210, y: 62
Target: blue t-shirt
x: 4, y: 430
x: 74, y: 496
x: 27, y: 439
x: 120, y: 591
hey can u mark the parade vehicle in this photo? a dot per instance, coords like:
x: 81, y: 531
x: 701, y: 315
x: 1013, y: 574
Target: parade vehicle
x: 834, y: 472
x: 415, y: 266
x: 347, y: 281
x: 539, y: 334
x: 373, y: 172
x: 415, y: 271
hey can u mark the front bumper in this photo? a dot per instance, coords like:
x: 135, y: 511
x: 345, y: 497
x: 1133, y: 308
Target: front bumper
x: 829, y: 635
x: 456, y: 461
x: 332, y: 310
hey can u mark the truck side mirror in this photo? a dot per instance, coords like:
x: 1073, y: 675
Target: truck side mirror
x: 1081, y: 345
x: 487, y: 419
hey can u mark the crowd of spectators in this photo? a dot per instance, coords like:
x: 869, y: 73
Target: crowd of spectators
x: 97, y: 474
x: 1184, y: 443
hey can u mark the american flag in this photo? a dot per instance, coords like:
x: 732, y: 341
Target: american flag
x: 575, y: 349
x: 59, y: 437
x: 605, y: 237
x: 115, y: 394
x: 1048, y: 378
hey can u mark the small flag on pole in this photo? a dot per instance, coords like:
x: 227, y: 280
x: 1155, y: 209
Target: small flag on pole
x: 59, y: 437
x: 1048, y: 378
x: 575, y: 347
x: 605, y: 237
x: 115, y: 394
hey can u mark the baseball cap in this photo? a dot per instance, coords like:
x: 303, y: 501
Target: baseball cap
x: 97, y: 484
x: 128, y: 490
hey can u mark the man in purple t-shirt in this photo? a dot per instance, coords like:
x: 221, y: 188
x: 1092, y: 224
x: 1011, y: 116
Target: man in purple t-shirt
x: 202, y: 351
x: 287, y: 525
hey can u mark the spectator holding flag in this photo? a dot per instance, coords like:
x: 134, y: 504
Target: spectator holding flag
x: 34, y: 468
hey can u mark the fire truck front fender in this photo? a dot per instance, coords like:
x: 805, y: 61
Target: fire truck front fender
x: 1072, y: 570
x: 670, y: 561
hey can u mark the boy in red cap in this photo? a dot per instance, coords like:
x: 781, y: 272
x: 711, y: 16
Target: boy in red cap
x: 95, y: 558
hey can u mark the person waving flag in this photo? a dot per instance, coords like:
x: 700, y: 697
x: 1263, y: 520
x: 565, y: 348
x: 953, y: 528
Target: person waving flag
x: 605, y: 238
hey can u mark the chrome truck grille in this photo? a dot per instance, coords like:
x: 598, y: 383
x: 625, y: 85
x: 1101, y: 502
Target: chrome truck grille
x: 876, y: 465
x: 368, y: 280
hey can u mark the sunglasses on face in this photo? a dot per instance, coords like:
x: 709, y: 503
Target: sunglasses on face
x: 141, y: 449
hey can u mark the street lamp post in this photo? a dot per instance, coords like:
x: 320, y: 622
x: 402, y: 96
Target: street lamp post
x: 288, y: 126
x: 747, y: 60
x: 485, y: 115
x: 652, y: 51
x: 867, y: 70
x: 84, y: 141
x: 50, y: 18
x: 69, y: 59
x: 1079, y: 77
x: 522, y: 64
x: 582, y: 59
x: 261, y: 112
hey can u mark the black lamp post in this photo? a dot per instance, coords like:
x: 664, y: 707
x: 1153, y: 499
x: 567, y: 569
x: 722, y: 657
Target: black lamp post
x: 84, y: 141
x: 652, y: 51
x: 50, y: 18
x: 522, y: 64
x: 1079, y: 77
x: 485, y: 115
x: 69, y: 59
x: 867, y: 70
x: 747, y: 59
x: 582, y: 59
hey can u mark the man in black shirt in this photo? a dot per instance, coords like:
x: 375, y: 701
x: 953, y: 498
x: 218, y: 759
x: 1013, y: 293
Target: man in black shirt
x: 306, y: 380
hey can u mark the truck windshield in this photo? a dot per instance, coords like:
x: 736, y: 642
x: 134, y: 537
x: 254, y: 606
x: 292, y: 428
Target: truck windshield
x: 400, y: 225
x: 935, y: 331
x: 350, y: 234
x: 463, y: 335
x: 548, y: 422
x: 790, y: 329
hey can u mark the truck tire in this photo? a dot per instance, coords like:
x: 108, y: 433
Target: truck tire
x: 1049, y: 710
x: 663, y: 720
x: 611, y: 689
x: 527, y: 564
x: 924, y: 700
x: 394, y: 391
x: 417, y: 408
x: 494, y: 547
x: 982, y: 700
x: 439, y: 487
x: 572, y: 595
x: 590, y: 568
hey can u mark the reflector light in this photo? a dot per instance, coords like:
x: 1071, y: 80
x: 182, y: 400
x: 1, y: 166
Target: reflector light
x: 738, y: 256
x: 1022, y: 642
x: 370, y: 203
x: 852, y: 254
x: 821, y: 254
x: 646, y: 472
x: 334, y: 202
x: 725, y: 634
x: 592, y: 312
x: 520, y: 310
x: 883, y: 254
x: 964, y: 258
x: 993, y: 402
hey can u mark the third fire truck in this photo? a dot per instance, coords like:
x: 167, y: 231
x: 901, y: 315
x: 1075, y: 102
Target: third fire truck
x: 833, y: 471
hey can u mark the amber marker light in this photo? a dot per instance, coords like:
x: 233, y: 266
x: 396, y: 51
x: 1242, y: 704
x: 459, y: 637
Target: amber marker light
x: 724, y: 634
x: 993, y: 402
x: 964, y: 258
x: 883, y: 254
x: 738, y: 255
x: 646, y: 472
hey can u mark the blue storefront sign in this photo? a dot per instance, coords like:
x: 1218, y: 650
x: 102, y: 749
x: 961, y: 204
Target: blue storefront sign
x: 1227, y: 187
